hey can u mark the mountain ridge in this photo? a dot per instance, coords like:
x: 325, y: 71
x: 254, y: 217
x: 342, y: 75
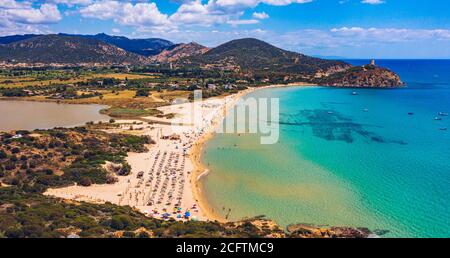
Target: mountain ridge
x: 64, y: 49
x: 145, y: 47
x: 248, y: 58
x: 253, y: 55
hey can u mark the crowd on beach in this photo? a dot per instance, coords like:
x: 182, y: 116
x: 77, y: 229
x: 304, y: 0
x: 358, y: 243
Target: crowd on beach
x: 162, y: 180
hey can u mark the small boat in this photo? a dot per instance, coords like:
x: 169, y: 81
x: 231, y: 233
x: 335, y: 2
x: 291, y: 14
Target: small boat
x: 366, y: 110
x: 410, y: 113
x: 442, y: 114
x: 443, y: 129
x: 437, y: 118
x: 330, y: 113
x: 355, y: 93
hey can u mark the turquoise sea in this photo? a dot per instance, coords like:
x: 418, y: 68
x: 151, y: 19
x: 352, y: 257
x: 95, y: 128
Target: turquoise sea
x: 344, y: 159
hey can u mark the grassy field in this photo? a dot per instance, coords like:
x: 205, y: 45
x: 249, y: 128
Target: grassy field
x: 124, y: 104
x: 130, y: 113
x: 30, y: 81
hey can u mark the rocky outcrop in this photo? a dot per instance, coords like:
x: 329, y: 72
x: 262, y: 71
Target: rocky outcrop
x: 263, y: 227
x: 179, y: 52
x: 362, y: 76
x: 311, y: 231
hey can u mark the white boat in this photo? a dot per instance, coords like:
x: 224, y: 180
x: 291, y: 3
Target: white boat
x: 442, y: 114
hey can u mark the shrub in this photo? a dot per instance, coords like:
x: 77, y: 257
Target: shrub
x: 85, y: 181
x: 120, y: 222
x: 144, y: 235
x: 10, y: 165
x: 84, y: 222
x: 3, y: 154
x: 14, y: 233
x: 47, y: 171
x: 24, y: 166
x: 142, y: 93
x: 129, y: 234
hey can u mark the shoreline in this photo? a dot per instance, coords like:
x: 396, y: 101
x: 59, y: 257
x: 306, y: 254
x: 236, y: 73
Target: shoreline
x: 172, y: 170
x: 197, y: 149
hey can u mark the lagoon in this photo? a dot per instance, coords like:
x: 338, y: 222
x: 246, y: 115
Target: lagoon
x: 30, y: 115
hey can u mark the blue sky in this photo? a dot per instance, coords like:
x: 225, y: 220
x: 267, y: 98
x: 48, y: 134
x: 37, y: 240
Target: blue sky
x: 344, y: 28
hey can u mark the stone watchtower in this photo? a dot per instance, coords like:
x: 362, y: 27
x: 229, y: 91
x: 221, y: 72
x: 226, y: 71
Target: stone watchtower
x: 372, y: 62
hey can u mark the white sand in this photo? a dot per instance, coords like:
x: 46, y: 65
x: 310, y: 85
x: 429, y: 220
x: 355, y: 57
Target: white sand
x: 166, y: 186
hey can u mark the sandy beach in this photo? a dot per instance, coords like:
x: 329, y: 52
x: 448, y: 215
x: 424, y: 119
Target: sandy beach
x: 165, y: 181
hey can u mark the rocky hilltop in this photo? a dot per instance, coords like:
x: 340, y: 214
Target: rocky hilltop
x: 180, y: 51
x: 362, y: 76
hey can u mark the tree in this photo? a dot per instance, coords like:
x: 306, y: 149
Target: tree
x: 142, y: 93
x: 85, y: 181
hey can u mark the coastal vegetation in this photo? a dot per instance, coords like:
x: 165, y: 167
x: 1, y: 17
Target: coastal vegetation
x: 60, y: 157
x: 31, y: 215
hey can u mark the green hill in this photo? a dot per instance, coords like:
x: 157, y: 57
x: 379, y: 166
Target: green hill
x: 252, y: 55
x: 64, y: 49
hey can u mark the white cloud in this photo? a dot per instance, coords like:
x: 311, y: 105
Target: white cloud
x: 254, y: 3
x: 137, y: 15
x: 25, y: 17
x: 71, y: 2
x: 47, y: 13
x: 365, y: 42
x: 12, y: 4
x: 260, y: 16
x: 196, y: 13
x: 385, y: 35
x: 242, y: 22
x: 102, y: 10
x: 373, y: 2
x: 190, y: 13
